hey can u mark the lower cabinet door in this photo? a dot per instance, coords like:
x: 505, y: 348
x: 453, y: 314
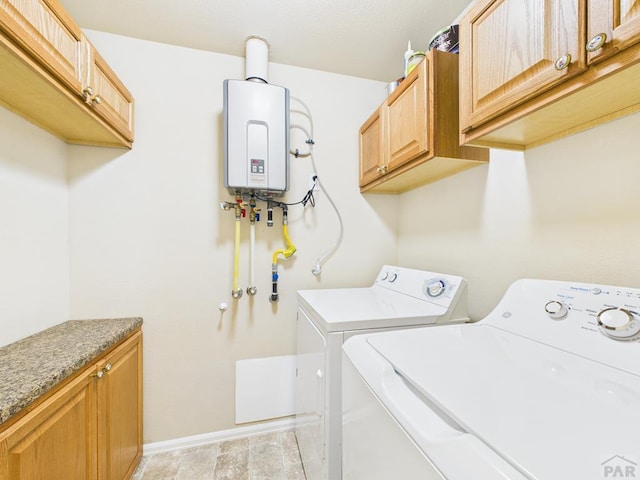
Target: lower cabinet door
x: 58, y: 442
x: 120, y: 411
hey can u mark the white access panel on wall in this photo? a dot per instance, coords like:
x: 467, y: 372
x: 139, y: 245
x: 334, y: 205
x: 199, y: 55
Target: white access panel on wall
x: 265, y: 388
x: 256, y: 136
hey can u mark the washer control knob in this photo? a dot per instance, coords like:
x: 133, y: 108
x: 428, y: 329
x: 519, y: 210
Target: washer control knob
x: 385, y: 275
x: 556, y: 309
x: 393, y: 277
x: 435, y: 288
x: 618, y: 323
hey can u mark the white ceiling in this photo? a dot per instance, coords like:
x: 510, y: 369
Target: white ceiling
x: 363, y: 38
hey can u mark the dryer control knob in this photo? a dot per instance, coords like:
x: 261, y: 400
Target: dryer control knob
x: 556, y: 309
x: 393, y: 277
x: 435, y: 288
x: 618, y: 323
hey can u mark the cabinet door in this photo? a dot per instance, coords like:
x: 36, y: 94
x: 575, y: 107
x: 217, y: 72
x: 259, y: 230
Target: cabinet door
x: 371, y: 153
x: 613, y: 25
x: 56, y: 441
x: 406, y: 118
x: 120, y: 411
x: 48, y: 34
x: 511, y: 50
x: 106, y: 94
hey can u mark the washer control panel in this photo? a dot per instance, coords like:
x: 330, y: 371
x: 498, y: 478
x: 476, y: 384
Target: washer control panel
x: 594, y: 321
x: 615, y: 322
x: 612, y: 311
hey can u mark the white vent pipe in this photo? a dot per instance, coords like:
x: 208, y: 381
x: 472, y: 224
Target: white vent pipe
x: 256, y: 64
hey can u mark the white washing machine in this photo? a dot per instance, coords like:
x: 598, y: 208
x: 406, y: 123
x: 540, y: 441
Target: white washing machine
x: 399, y: 298
x: 546, y: 387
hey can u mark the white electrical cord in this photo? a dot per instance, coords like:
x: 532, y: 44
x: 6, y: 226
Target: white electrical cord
x: 317, y: 268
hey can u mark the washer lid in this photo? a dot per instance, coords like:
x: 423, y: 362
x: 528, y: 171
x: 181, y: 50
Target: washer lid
x: 363, y: 308
x: 549, y: 413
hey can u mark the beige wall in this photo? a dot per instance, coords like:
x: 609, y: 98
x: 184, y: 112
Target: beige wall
x: 569, y: 210
x: 34, y: 271
x: 148, y: 237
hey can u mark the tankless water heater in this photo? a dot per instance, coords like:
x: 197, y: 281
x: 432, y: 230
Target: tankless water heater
x: 256, y: 137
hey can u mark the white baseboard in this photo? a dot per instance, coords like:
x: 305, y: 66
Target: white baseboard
x: 205, y: 438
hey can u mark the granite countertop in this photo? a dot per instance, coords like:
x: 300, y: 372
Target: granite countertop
x: 34, y: 365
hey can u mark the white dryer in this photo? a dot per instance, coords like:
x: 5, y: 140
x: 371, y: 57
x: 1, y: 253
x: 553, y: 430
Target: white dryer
x: 547, y: 386
x: 399, y: 298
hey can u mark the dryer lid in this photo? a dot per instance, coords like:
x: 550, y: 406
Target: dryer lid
x: 343, y: 309
x: 549, y: 413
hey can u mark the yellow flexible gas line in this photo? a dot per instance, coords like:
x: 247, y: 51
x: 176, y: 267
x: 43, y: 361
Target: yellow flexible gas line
x: 287, y: 252
x: 236, y: 292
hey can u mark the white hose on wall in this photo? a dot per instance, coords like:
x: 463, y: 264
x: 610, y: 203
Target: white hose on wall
x: 324, y: 256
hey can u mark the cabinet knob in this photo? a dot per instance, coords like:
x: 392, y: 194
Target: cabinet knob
x: 87, y: 92
x: 100, y: 374
x: 97, y: 100
x: 596, y: 42
x: 563, y: 62
x: 381, y: 169
x: 107, y: 367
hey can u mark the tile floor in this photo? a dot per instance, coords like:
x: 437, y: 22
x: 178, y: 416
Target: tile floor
x: 269, y: 456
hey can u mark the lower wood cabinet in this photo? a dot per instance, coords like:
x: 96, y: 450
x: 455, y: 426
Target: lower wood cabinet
x: 57, y: 440
x: 89, y: 428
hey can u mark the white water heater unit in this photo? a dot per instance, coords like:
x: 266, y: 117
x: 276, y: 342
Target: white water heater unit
x: 256, y: 137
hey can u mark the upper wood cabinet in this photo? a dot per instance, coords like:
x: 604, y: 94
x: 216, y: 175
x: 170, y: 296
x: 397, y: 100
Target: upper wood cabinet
x: 516, y: 49
x: 412, y: 138
x: 533, y: 71
x: 47, y: 65
x: 613, y: 25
